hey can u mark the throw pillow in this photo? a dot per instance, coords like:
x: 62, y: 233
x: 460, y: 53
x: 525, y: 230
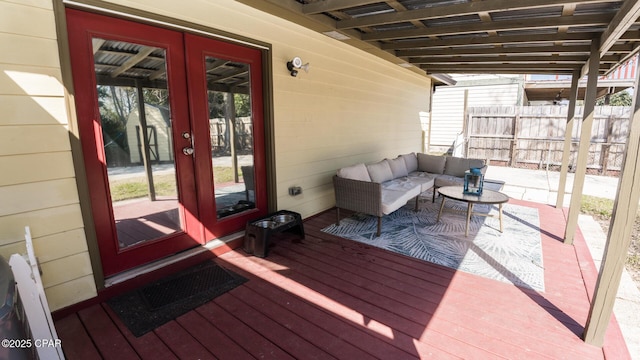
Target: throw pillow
x: 380, y: 171
x: 398, y: 167
x: 355, y: 172
x: 433, y: 164
x: 410, y: 161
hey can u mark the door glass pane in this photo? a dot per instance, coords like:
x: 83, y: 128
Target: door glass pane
x: 231, y: 131
x: 135, y: 117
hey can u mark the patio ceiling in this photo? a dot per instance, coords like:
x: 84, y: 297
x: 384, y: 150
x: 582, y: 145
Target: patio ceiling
x: 472, y: 36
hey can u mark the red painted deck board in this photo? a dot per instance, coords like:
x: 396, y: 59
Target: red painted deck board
x: 328, y: 297
x: 105, y: 334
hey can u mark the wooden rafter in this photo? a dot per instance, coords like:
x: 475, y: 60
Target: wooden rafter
x: 133, y: 61
x: 403, y: 32
x: 475, y: 7
x: 506, y: 25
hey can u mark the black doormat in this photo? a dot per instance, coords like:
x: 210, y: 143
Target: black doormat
x: 147, y: 308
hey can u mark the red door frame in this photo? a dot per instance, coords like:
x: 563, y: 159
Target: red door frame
x: 195, y: 183
x: 197, y: 48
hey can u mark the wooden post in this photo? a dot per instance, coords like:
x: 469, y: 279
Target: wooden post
x: 604, y: 155
x: 146, y: 156
x: 616, y: 249
x: 585, y: 141
x: 466, y: 123
x: 230, y: 111
x: 513, y: 160
x: 568, y: 136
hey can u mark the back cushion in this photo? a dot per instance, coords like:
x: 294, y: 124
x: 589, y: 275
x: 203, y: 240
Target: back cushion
x: 457, y: 166
x: 431, y: 163
x: 380, y: 171
x: 398, y: 167
x: 410, y: 161
x: 476, y: 163
x: 355, y: 172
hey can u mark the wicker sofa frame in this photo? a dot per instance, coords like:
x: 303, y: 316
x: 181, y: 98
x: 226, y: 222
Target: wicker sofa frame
x: 366, y: 196
x: 360, y: 196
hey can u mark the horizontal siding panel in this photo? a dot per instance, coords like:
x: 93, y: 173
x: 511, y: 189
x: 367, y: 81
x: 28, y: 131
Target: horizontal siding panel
x: 19, y: 140
x: 60, y: 245
x: 65, y: 269
x: 35, y: 196
x: 447, y: 120
x: 30, y: 80
x: 20, y: 18
x: 42, y: 4
x: 446, y: 116
x: 71, y: 292
x: 29, y: 51
x: 493, y: 95
x: 18, y: 169
x: 6, y: 250
x: 42, y: 223
x: 33, y: 110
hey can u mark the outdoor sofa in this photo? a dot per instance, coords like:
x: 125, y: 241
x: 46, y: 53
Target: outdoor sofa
x: 381, y: 188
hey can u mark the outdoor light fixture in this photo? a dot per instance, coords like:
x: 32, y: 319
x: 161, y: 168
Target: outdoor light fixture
x: 296, y: 64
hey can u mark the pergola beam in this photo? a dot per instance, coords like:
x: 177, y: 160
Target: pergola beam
x: 490, y: 40
x: 585, y: 140
x: 468, y: 8
x: 331, y: 5
x: 537, y: 59
x: 622, y: 21
x: 568, y: 136
x: 619, y: 238
x: 499, y: 68
x: 505, y: 25
x: 515, y: 50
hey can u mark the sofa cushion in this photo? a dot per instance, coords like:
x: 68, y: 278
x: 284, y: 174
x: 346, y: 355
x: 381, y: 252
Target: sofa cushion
x: 456, y: 166
x: 393, y: 200
x: 431, y: 163
x: 400, y: 184
x: 398, y: 167
x: 410, y: 161
x: 380, y: 171
x: 425, y: 180
x: 448, y: 180
x: 355, y: 172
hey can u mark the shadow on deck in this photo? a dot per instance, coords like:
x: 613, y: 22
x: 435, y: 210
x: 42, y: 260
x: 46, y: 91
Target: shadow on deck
x: 328, y: 297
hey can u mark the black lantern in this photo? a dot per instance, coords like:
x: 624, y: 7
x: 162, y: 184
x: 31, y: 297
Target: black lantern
x: 473, y: 181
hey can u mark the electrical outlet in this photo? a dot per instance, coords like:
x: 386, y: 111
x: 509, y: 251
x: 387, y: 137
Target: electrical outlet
x: 295, y: 190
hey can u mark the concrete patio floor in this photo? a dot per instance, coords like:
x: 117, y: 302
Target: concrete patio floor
x: 542, y: 186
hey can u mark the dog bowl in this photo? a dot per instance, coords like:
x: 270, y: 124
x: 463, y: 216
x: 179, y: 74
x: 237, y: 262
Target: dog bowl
x: 266, y: 224
x: 283, y: 218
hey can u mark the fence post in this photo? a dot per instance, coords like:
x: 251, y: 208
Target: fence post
x: 604, y: 159
x: 466, y: 135
x: 513, y: 153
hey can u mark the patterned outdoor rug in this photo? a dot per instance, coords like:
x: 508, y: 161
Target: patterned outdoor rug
x: 514, y: 256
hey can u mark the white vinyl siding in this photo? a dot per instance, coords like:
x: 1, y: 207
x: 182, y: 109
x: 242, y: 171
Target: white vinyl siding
x: 447, y: 117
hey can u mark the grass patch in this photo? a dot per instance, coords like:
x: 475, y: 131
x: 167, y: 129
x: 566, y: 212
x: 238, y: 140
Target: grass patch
x: 601, y: 210
x: 597, y: 206
x: 165, y: 185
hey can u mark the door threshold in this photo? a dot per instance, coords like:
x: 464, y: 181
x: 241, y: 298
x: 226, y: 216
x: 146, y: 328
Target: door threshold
x: 158, y: 264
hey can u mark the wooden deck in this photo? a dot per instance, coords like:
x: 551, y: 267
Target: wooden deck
x: 327, y: 297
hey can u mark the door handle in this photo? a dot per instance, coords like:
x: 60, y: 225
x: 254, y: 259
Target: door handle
x: 187, y: 150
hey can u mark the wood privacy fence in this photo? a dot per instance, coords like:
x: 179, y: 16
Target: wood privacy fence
x: 533, y: 136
